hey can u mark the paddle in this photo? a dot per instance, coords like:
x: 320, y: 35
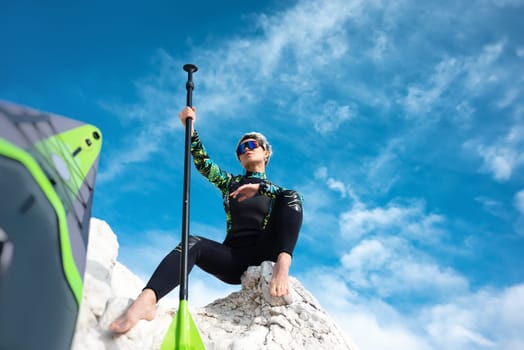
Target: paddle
x: 183, y: 333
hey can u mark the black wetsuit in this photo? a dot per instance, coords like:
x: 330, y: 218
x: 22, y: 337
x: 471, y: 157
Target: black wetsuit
x: 258, y: 228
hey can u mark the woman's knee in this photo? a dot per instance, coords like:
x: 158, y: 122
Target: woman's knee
x: 292, y: 199
x: 191, y: 242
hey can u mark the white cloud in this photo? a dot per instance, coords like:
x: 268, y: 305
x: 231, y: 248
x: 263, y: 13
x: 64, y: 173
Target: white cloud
x: 390, y: 266
x: 340, y: 295
x: 331, y: 117
x: 410, y: 221
x: 310, y: 41
x: 498, y: 160
x: 386, y: 261
x: 488, y: 319
x: 484, y: 319
x: 336, y: 185
x: 457, y: 324
x: 369, y: 253
x: 368, y: 323
x: 501, y: 157
x: 368, y: 333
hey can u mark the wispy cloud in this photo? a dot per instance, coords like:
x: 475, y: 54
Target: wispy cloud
x: 290, y: 59
x: 420, y: 100
x: 502, y: 157
x: 474, y: 73
x: 148, y: 120
x: 493, y: 206
x: 135, y: 148
x: 482, y: 71
x: 336, y: 185
x: 381, y: 169
x: 332, y: 115
x: 237, y: 74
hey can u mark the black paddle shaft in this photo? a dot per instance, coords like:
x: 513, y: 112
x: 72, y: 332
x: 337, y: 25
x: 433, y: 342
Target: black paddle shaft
x: 190, y: 69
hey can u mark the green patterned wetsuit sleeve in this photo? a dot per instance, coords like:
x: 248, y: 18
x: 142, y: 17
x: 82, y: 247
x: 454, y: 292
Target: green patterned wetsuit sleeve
x: 207, y: 167
x: 269, y: 189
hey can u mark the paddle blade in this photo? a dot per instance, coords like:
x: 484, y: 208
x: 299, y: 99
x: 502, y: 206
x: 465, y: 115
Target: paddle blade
x: 182, y: 333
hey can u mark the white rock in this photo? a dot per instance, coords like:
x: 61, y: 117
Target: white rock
x: 249, y: 319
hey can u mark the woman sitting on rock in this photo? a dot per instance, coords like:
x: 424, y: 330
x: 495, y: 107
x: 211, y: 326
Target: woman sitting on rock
x: 263, y: 222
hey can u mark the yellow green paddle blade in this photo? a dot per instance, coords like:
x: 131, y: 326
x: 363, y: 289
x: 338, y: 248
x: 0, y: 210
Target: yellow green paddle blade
x: 182, y: 333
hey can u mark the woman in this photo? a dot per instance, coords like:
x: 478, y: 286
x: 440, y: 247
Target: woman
x: 263, y: 222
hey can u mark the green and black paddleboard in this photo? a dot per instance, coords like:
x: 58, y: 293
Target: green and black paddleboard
x: 48, y: 165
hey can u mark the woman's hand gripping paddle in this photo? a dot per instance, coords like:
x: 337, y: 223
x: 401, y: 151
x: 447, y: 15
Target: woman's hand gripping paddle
x: 183, y: 333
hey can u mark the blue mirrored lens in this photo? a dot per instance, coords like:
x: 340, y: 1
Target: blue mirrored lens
x: 246, y: 145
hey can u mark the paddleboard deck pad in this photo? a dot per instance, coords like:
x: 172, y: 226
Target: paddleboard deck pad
x: 48, y: 167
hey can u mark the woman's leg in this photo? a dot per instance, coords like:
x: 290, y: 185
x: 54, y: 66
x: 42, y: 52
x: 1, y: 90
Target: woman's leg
x: 278, y: 242
x: 224, y: 262
x: 281, y: 234
x: 217, y: 259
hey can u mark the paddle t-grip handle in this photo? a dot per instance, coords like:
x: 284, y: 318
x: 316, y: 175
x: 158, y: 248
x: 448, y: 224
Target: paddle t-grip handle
x: 190, y: 69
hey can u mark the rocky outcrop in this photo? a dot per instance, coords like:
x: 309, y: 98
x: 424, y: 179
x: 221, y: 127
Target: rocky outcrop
x: 249, y: 319
x: 259, y: 321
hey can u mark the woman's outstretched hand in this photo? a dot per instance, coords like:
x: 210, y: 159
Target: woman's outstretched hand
x: 245, y: 191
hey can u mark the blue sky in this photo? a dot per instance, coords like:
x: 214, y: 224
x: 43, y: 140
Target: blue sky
x: 400, y: 122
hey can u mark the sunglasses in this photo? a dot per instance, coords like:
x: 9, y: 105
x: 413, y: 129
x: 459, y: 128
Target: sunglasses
x: 248, y: 145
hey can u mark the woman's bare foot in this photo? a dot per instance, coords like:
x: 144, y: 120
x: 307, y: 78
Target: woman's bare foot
x: 143, y: 308
x: 279, y: 285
